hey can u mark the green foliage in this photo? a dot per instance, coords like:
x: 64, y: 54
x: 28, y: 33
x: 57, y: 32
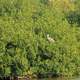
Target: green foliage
x: 24, y: 47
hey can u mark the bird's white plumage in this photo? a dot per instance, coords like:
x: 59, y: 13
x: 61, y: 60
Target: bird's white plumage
x: 50, y: 39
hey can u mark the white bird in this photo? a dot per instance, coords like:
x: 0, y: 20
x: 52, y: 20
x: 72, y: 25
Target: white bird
x: 50, y: 39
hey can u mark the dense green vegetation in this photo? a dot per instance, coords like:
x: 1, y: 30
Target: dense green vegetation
x: 24, y: 47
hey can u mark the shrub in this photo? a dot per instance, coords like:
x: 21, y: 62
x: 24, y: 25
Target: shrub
x: 24, y: 46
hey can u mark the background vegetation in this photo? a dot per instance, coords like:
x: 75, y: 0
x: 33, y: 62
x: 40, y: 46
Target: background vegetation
x: 24, y: 47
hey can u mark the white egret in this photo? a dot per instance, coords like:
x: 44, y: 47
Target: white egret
x: 50, y: 39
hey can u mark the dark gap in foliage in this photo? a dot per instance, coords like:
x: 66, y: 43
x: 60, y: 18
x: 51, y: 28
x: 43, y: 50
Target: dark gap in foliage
x: 44, y: 54
x: 5, y: 78
x: 10, y: 48
x: 10, y: 45
x: 74, y: 18
x: 37, y: 30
